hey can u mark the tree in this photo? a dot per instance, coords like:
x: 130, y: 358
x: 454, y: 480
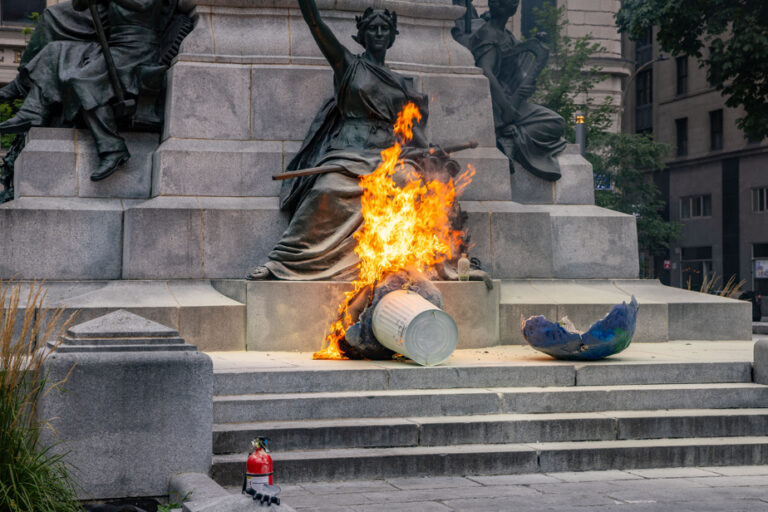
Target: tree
x: 728, y: 37
x: 629, y: 160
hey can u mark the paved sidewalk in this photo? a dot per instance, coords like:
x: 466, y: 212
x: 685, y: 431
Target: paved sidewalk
x: 709, y: 489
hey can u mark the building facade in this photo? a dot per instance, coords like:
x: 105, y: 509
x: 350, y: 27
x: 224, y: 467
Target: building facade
x: 716, y: 181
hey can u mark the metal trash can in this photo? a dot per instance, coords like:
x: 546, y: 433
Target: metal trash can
x: 407, y: 323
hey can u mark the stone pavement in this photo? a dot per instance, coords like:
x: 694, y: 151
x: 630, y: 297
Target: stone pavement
x: 715, y: 489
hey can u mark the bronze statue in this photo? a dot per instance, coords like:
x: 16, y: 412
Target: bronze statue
x: 349, y: 132
x: 528, y: 133
x: 72, y: 68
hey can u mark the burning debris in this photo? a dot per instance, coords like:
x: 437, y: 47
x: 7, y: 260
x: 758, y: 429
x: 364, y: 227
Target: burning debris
x: 410, y: 214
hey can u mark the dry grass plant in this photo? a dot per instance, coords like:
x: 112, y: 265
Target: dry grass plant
x: 32, y: 477
x: 731, y: 290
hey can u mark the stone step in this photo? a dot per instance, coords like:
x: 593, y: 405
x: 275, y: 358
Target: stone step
x: 492, y: 459
x: 402, y: 377
x: 665, y: 313
x: 491, y: 429
x: 464, y: 401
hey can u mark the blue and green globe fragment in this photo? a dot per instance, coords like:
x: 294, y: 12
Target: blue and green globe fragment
x: 606, y: 337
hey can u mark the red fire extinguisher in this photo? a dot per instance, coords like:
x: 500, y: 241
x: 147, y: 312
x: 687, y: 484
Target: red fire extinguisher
x: 258, y: 468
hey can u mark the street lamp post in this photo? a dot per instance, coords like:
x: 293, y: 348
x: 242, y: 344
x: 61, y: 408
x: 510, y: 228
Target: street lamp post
x: 661, y: 57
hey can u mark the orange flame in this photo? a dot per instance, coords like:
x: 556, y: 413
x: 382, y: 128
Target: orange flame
x: 404, y: 225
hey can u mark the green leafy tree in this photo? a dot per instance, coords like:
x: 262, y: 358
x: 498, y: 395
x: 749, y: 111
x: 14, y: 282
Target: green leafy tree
x: 728, y: 37
x: 629, y: 160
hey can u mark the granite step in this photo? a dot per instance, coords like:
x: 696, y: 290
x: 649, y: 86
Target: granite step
x: 472, y: 401
x: 491, y: 429
x: 399, y: 377
x: 491, y: 459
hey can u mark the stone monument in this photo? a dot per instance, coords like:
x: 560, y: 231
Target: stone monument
x: 135, y: 409
x: 171, y: 237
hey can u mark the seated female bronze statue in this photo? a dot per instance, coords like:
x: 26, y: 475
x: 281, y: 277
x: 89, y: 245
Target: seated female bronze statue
x: 528, y: 133
x: 350, y: 131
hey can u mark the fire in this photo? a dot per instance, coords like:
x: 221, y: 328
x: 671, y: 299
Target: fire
x: 404, y: 225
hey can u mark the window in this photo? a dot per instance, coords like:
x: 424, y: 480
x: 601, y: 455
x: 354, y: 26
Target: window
x: 644, y: 48
x: 682, y: 75
x: 760, y: 200
x: 716, y: 130
x: 696, y: 206
x: 760, y: 267
x: 681, y: 127
x: 715, y: 77
x: 695, y: 265
x: 18, y: 11
x: 643, y: 102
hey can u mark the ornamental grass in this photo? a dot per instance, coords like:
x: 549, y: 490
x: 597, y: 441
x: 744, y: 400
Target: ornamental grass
x: 32, y: 477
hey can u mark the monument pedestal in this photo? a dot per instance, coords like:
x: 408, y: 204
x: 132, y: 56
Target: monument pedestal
x: 198, y: 208
x: 136, y: 407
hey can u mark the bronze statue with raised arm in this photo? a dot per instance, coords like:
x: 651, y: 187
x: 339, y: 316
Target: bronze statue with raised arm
x: 350, y: 132
x: 528, y: 133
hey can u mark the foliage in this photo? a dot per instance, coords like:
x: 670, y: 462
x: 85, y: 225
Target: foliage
x: 737, y: 33
x: 629, y: 159
x: 731, y: 289
x: 565, y: 84
x: 32, y: 478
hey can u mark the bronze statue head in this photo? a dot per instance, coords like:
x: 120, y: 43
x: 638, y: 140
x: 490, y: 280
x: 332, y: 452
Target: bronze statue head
x: 503, y: 8
x: 376, y: 28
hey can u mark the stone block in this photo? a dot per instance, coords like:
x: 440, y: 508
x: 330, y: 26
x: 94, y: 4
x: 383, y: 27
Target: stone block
x: 591, y: 242
x: 207, y: 319
x: 529, y: 189
x: 185, y: 167
x: 239, y: 33
x: 760, y: 366
x: 132, y: 181
x: 239, y: 234
x: 214, y: 107
x: 491, y: 179
x: 61, y: 238
x: 475, y: 310
x: 59, y: 162
x: 285, y: 99
x: 46, y: 166
x: 459, y: 109
x: 522, y: 243
x: 272, y: 309
x: 478, y: 235
x: 130, y: 417
x: 576, y: 186
x: 273, y: 306
x: 164, y: 239
x: 189, y: 237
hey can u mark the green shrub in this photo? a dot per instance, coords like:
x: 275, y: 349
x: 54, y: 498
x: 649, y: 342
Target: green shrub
x: 32, y: 478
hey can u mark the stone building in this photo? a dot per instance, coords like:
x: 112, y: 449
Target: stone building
x: 14, y: 17
x: 716, y: 182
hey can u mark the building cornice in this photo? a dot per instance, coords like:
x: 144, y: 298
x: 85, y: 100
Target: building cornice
x: 714, y: 157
